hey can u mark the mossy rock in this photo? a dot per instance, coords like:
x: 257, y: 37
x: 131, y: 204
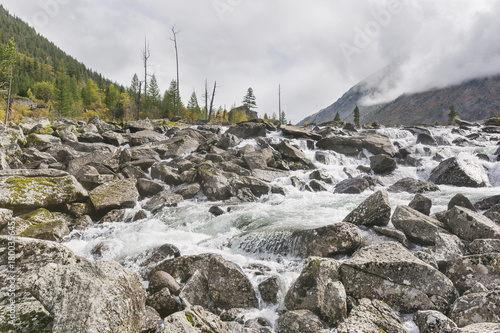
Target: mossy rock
x: 31, y: 316
x: 492, y: 122
x: 44, y: 224
x: 41, y: 141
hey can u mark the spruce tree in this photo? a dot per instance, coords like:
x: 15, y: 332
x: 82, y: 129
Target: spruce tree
x: 452, y: 114
x: 194, y: 107
x: 154, y: 92
x: 356, y: 116
x: 337, y: 117
x: 249, y: 100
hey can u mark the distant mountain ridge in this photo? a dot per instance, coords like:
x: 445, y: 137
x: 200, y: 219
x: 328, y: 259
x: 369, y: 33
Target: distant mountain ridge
x: 474, y: 99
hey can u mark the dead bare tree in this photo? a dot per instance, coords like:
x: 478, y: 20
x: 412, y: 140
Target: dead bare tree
x: 175, y: 32
x: 206, y: 99
x: 139, y: 101
x: 146, y: 54
x: 212, y: 101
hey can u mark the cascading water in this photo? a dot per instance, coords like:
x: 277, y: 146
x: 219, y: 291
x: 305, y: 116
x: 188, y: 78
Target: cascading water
x: 255, y: 235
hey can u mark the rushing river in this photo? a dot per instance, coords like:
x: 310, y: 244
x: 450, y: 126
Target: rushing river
x: 192, y: 229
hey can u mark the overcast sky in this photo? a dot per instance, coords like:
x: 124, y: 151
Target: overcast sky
x: 317, y: 49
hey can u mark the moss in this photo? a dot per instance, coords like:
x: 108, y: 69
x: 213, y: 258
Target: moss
x: 189, y: 317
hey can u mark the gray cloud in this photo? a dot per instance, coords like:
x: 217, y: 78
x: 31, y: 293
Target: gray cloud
x: 259, y: 44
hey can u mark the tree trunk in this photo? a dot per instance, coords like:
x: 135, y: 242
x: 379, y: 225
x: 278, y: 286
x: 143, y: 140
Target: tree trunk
x: 7, y: 109
x: 139, y: 102
x: 212, y: 101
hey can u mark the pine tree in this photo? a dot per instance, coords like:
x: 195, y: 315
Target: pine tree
x: 266, y: 116
x: 337, y: 117
x: 44, y: 91
x: 356, y: 116
x: 64, y: 96
x: 154, y: 92
x: 452, y: 114
x: 112, y: 97
x: 194, y: 107
x: 171, y: 99
x: 283, y: 118
x: 249, y: 100
x: 7, y: 62
x: 90, y: 94
x: 134, y: 88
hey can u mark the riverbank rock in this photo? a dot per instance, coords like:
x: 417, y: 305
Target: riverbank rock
x: 418, y: 227
x: 194, y: 320
x: 477, y: 308
x: 432, y: 321
x: 412, y: 185
x: 389, y: 272
x: 458, y: 172
x: 352, y: 186
x: 301, y: 321
x: 118, y: 194
x: 374, y: 210
x: 319, y: 290
x: 382, y: 164
x: 372, y: 316
x: 469, y: 270
x: 470, y: 225
x: 25, y: 190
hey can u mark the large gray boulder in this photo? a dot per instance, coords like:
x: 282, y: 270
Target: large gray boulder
x: 378, y: 144
x: 382, y: 164
x: 297, y: 132
x: 469, y: 270
x: 412, y: 185
x: 432, y: 321
x: 118, y: 194
x: 372, y: 316
x: 342, y: 145
x: 352, y: 186
x: 80, y: 295
x: 214, y: 183
x: 43, y: 224
x: 24, y: 190
x: 301, y: 321
x: 476, y: 308
x: 322, y: 242
x: 480, y: 246
x: 296, y: 155
x: 319, y: 290
x: 374, y: 210
x: 194, y: 320
x: 248, y: 130
x: 389, y: 272
x: 481, y: 327
x: 470, y: 225
x: 418, y: 227
x: 458, y: 172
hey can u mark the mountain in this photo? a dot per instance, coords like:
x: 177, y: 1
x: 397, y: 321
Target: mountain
x: 475, y: 99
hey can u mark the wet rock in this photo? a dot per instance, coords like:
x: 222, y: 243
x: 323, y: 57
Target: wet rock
x: 481, y: 246
x: 160, y: 280
x: 155, y: 256
x: 317, y: 289
x: 290, y: 152
x: 418, y: 227
x: 352, y: 186
x: 374, y: 210
x: 227, y: 141
x: 118, y: 194
x: 382, y: 164
x: 259, y: 159
x: 487, y: 203
x: 316, y: 186
x: 189, y: 191
x: 148, y: 187
x: 256, y: 186
x: 469, y: 270
x: 162, y: 200
x: 342, y: 145
x: 411, y: 185
x: 24, y: 190
x: 432, y: 321
x: 426, y: 139
x: 269, y: 289
x: 175, y: 147
x: 194, y: 320
x: 470, y: 225
x: 393, y: 233
x: 460, y: 200
x: 163, y: 302
x: 323, y: 157
x: 298, y: 183
x: 301, y: 321
x: 476, y: 308
x: 196, y: 292
x: 213, y: 182
x: 183, y: 267
x: 378, y: 144
x: 372, y: 316
x: 389, y: 272
x: 165, y: 173
x: 229, y: 286
x: 458, y: 172
x: 297, y: 132
x: 421, y: 204
x: 216, y: 211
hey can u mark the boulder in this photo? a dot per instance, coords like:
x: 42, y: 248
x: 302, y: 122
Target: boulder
x: 378, y: 144
x: 374, y: 210
x: 432, y: 321
x: 487, y: 203
x: 297, y: 133
x: 426, y: 139
x: 322, y: 242
x: 317, y: 289
x: 248, y: 130
x: 269, y: 289
x: 301, y: 321
x: 175, y: 147
x: 163, y: 302
x: 482, y: 327
x: 372, y: 316
x: 194, y: 320
x: 460, y: 200
x: 41, y: 141
x: 118, y: 194
x: 421, y: 204
x: 162, y: 200
x: 389, y: 272
x: 418, y: 227
x: 343, y: 145
x: 493, y: 213
x: 474, y: 308
x: 481, y: 246
x: 213, y: 182
x: 412, y: 185
x: 459, y: 172
x: 227, y: 141
x: 5, y: 218
x: 80, y: 295
x: 393, y: 233
x: 352, y: 186
x: 470, y: 225
x: 189, y: 191
x: 166, y: 174
x: 142, y: 137
x: 258, y: 159
x: 138, y: 125
x: 160, y: 280
x: 43, y: 224
x: 382, y: 164
x: 196, y: 292
x: 290, y: 152
x: 469, y: 270
x: 113, y: 138
x: 24, y: 190
x: 147, y: 187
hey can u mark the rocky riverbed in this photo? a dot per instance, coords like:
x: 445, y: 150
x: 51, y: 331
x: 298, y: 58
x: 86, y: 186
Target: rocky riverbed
x: 154, y: 226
